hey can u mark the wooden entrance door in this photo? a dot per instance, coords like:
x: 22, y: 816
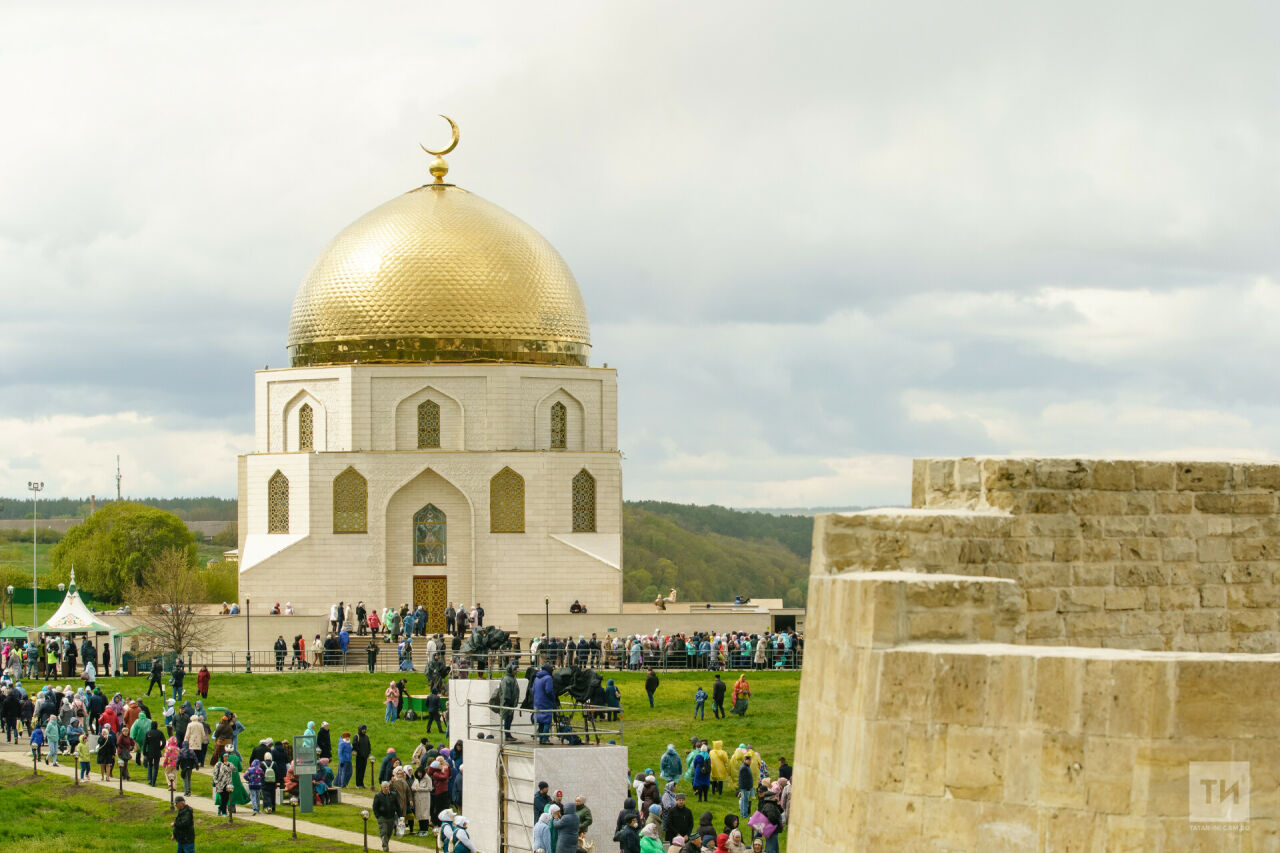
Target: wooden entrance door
x: 433, y: 591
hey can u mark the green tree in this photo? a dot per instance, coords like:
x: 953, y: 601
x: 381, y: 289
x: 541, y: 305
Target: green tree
x: 114, y: 546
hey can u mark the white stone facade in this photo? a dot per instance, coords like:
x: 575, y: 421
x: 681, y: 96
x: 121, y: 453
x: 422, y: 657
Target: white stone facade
x: 491, y: 416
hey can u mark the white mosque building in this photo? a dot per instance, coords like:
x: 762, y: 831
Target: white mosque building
x: 440, y: 435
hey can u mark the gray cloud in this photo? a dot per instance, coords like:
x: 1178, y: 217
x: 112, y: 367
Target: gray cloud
x: 815, y: 239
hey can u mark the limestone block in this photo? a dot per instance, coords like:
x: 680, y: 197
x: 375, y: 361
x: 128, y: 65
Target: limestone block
x: 1214, y: 502
x: 1213, y: 596
x: 1262, y: 476
x: 1057, y: 694
x: 951, y: 824
x: 926, y: 760
x: 1081, y: 598
x: 1250, y: 621
x: 1043, y: 599
x: 1115, y: 476
x: 1062, y: 762
x: 1010, y: 696
x: 1008, y: 828
x: 1140, y: 709
x: 1047, y: 502
x: 942, y: 476
x: 1259, y: 504
x: 960, y: 689
x: 1063, y: 474
x: 905, y: 685
x: 885, y: 758
x: 940, y: 625
x: 1173, y: 503
x: 1203, y: 476
x: 1213, y: 549
x: 1092, y: 575
x: 919, y: 481
x: 1226, y: 698
x: 1142, y: 575
x: 1125, y: 598
x: 1081, y: 627
x: 1066, y: 829
x: 1045, y: 626
x: 1154, y: 476
x: 975, y: 763
x: 1006, y: 474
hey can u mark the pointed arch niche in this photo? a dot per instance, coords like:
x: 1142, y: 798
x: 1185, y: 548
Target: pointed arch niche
x: 559, y: 425
x: 429, y: 419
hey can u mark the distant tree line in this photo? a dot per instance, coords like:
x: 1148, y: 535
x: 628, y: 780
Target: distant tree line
x: 187, y: 509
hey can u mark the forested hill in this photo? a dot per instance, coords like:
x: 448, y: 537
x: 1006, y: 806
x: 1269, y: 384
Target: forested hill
x: 706, y: 552
x: 710, y: 552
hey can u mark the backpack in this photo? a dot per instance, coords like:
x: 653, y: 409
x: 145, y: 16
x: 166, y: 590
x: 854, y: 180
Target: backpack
x: 268, y: 773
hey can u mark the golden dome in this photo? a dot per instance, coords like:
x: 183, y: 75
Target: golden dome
x: 439, y: 274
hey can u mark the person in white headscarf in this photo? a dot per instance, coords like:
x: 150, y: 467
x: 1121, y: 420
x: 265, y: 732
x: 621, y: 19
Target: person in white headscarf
x: 461, y: 838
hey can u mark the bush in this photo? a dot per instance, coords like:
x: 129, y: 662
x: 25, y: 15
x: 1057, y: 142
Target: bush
x: 44, y: 535
x: 227, y: 537
x: 221, y: 582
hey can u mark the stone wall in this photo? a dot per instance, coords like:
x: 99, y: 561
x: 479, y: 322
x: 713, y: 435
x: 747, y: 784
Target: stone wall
x: 1125, y: 554
x: 988, y: 747
x: 937, y: 713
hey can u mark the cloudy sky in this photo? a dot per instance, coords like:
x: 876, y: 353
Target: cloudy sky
x: 815, y: 239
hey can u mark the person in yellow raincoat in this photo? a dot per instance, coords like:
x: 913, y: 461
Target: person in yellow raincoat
x: 719, y: 766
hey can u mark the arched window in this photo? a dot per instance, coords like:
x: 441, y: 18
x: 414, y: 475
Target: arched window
x: 278, y: 503
x: 559, y: 427
x: 584, y: 502
x: 306, y: 428
x: 506, y: 502
x: 428, y: 424
x: 350, y: 502
x: 429, y: 527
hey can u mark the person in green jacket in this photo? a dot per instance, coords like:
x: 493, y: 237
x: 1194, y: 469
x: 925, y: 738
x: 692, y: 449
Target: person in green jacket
x: 138, y: 731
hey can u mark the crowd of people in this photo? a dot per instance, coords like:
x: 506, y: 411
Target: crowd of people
x: 698, y: 650
x: 659, y: 820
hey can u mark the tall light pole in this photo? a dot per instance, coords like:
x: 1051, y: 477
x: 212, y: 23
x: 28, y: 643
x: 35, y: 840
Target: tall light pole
x: 36, y: 489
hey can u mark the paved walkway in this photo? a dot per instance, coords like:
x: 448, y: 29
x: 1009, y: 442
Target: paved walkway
x: 21, y: 756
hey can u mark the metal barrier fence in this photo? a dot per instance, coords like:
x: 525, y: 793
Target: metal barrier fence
x: 490, y: 665
x: 560, y: 731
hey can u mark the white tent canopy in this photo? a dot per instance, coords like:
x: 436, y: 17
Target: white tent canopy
x: 73, y: 617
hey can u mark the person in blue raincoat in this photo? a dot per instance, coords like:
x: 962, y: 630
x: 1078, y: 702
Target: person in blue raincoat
x: 671, y: 767
x: 544, y: 700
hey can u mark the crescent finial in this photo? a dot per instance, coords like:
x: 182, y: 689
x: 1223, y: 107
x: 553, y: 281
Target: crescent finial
x: 439, y: 168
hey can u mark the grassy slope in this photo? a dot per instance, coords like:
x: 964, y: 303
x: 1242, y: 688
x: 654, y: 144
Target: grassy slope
x: 281, y: 705
x: 48, y: 814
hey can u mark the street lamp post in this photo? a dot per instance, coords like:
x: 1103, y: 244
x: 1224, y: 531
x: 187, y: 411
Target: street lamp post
x: 36, y: 489
x: 10, y: 591
x: 293, y: 801
x: 547, y: 603
x: 364, y: 813
x: 247, y: 654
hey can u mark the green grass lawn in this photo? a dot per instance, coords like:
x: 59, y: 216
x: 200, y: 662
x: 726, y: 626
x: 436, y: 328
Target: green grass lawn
x: 281, y: 705
x: 46, y: 813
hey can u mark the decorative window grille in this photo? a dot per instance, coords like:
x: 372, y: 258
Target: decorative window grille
x: 428, y: 424
x: 506, y: 502
x: 559, y: 427
x: 278, y: 503
x: 350, y: 502
x: 584, y: 502
x: 429, y: 529
x: 306, y: 428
